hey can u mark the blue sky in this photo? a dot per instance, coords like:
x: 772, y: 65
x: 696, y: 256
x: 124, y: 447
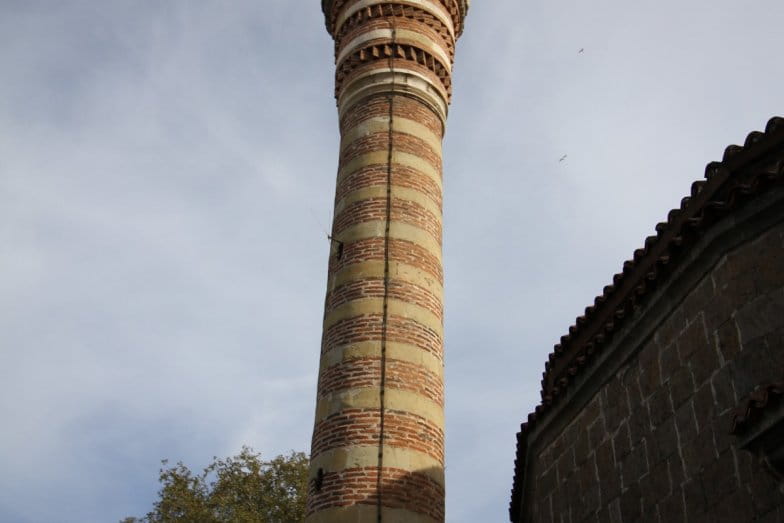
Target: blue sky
x: 166, y: 177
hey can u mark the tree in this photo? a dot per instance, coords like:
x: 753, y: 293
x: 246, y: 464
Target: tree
x: 242, y: 489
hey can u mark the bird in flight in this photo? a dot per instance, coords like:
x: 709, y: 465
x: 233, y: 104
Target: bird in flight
x: 562, y: 158
x: 580, y: 51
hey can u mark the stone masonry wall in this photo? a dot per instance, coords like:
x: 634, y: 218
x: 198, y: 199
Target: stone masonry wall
x: 653, y: 443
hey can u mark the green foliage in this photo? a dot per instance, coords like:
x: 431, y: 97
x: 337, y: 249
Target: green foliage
x: 242, y: 489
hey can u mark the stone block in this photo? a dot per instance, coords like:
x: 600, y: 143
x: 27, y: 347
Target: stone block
x: 669, y: 360
x: 765, y: 489
x: 639, y: 423
x: 719, y: 479
x: 656, y: 485
x: 727, y: 340
x: 597, y: 432
x: 650, y: 377
x: 773, y: 516
x: 761, y: 316
x: 616, y: 403
x: 769, y: 252
x: 635, y: 465
x: 698, y: 454
x: 681, y: 386
x: 721, y: 425
x: 685, y: 423
x: 692, y: 339
x: 547, y: 481
x: 704, y: 362
x: 732, y: 509
x: 699, y: 299
x: 589, y: 502
x: 659, y: 407
x: 631, y: 506
x: 724, y: 397
x: 670, y: 327
x: 582, y: 447
x: 753, y: 367
x: 566, y: 465
x: 614, y: 510
x: 665, y: 442
x: 586, y: 474
x: 694, y: 500
x: 677, y: 475
x: 610, y: 485
x: 671, y: 509
x: 630, y: 379
x: 622, y: 444
x: 704, y: 407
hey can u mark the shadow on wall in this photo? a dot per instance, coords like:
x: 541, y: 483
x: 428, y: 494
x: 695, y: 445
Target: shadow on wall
x: 352, y: 495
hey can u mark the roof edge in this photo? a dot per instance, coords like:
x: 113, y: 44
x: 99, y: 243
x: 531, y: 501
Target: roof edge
x: 715, y: 194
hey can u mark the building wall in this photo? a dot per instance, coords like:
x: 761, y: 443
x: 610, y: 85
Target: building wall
x: 647, y: 436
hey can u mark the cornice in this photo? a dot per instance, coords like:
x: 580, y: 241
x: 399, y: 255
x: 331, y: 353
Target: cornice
x: 458, y: 8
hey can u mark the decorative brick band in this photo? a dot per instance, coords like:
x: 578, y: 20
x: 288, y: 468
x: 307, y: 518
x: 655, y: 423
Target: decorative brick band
x: 425, y: 198
x: 373, y: 287
x: 379, y: 37
x: 364, y: 20
x: 402, y: 109
x: 400, y: 250
x: 397, y: 271
x: 366, y: 372
x: 360, y: 427
x: 369, y: 327
x: 399, y: 159
x: 403, y: 211
x: 380, y: 124
x: 404, y: 142
x: 400, y: 488
x: 405, y: 183
x: 394, y: 351
x: 368, y: 398
x: 387, y: 9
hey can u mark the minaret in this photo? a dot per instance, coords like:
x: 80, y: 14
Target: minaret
x: 378, y: 442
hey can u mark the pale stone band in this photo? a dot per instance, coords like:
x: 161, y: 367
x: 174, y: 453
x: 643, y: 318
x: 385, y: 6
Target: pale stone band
x: 375, y: 269
x: 404, y: 309
x: 368, y: 398
x: 403, y: 159
x: 383, y: 80
x: 397, y: 231
x: 397, y: 192
x: 336, y: 460
x: 401, y: 36
x: 380, y: 124
x: 394, y: 352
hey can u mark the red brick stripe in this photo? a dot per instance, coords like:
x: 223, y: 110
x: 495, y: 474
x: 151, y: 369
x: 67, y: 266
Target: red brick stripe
x: 366, y: 372
x: 374, y: 288
x: 412, y: 491
x: 367, y: 327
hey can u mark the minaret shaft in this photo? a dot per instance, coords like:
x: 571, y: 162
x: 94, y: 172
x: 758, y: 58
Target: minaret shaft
x: 378, y: 441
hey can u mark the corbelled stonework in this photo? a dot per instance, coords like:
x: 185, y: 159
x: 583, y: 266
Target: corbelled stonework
x: 378, y: 441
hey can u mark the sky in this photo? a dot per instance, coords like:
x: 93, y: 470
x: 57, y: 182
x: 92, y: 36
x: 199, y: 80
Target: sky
x: 167, y: 171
